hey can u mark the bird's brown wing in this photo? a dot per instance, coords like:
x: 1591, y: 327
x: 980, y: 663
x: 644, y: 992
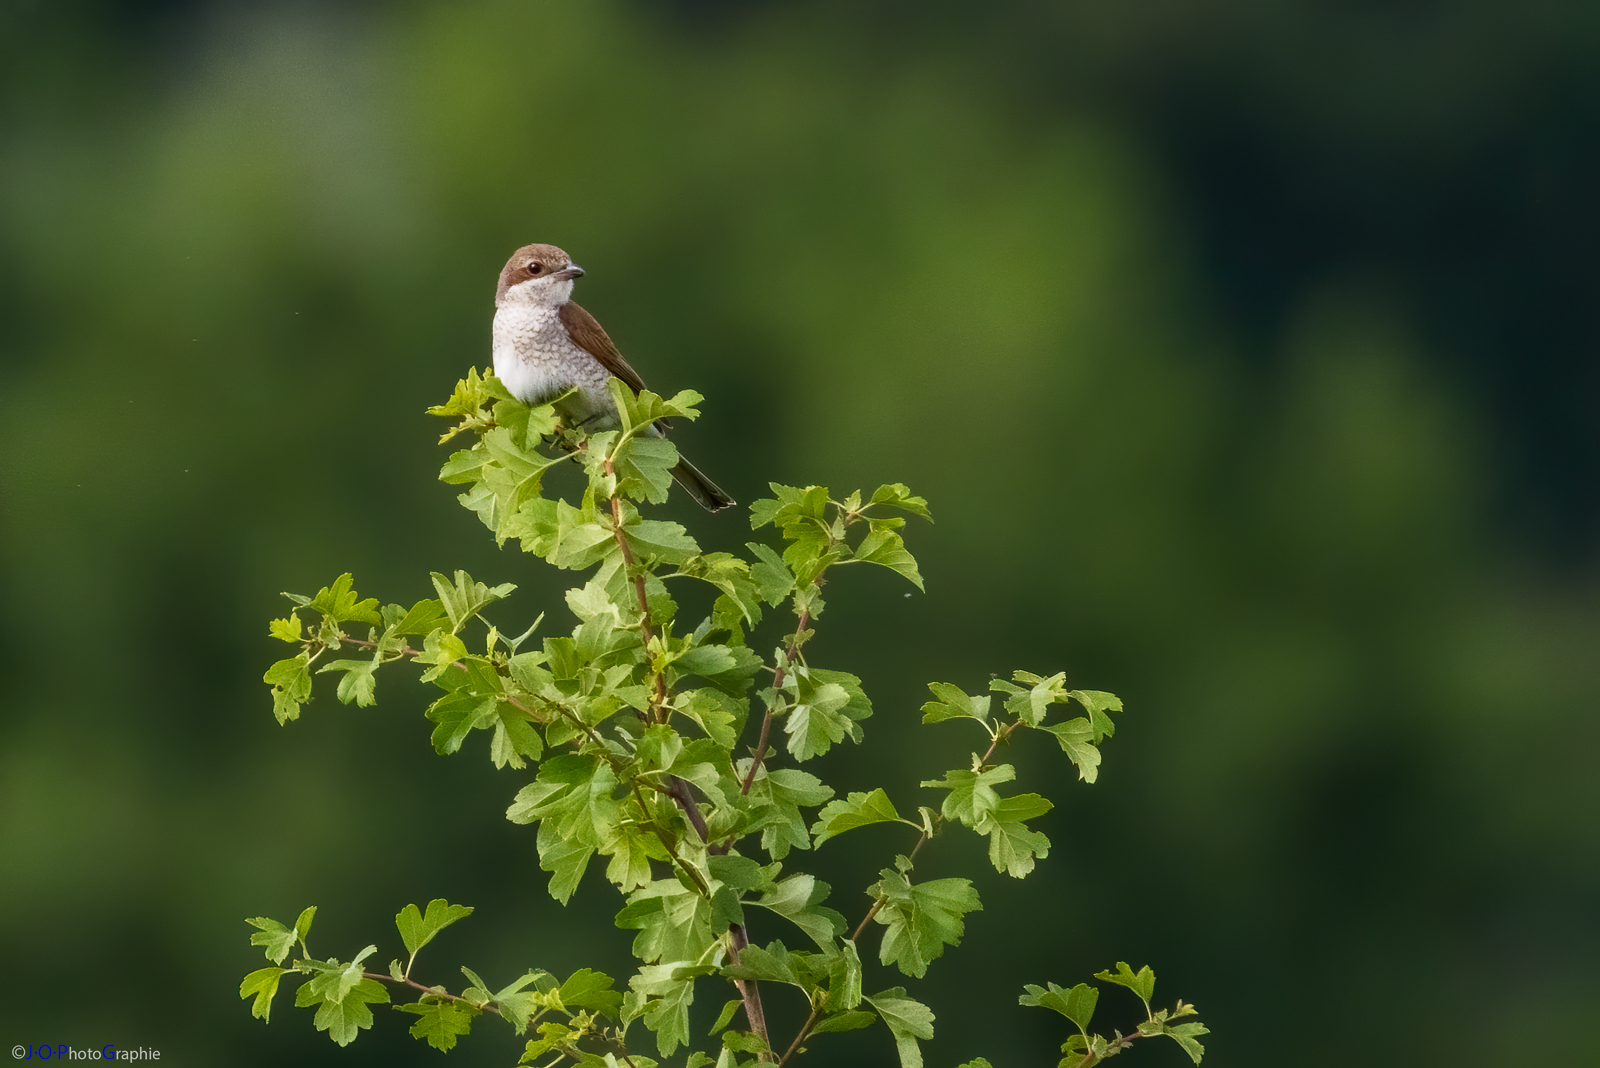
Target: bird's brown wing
x: 592, y: 338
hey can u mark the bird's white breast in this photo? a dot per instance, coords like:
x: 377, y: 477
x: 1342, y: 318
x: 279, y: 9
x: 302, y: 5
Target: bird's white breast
x: 537, y: 360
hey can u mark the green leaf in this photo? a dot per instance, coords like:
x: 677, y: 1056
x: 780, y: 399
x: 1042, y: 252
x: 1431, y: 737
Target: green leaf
x: 502, y: 475
x: 1186, y: 1036
x: 591, y: 991
x: 263, y: 985
x: 726, y: 1015
x: 1077, y: 737
x: 514, y: 737
x: 440, y: 1020
x: 1012, y: 846
x: 443, y: 651
x: 771, y: 575
x: 1076, y: 1004
x: 668, y: 990
x: 798, y: 899
x: 276, y: 939
x: 830, y: 705
x: 727, y: 667
x: 462, y: 598
x: 773, y: 964
x: 788, y: 504
x: 285, y: 630
x: 921, y: 919
x: 706, y: 660
x: 674, y: 922
x: 469, y: 397
x: 518, y: 1005
x: 887, y: 549
x: 660, y: 541
x: 359, y: 683
x: 1030, y: 705
x: 845, y: 1021
x: 731, y: 575
x: 417, y: 929
x: 477, y: 994
x: 339, y: 603
x: 741, y: 873
x: 458, y: 714
x: 639, y: 410
x: 631, y: 848
x: 333, y: 978
x: 568, y: 537
x: 1098, y: 703
x: 896, y: 495
x: 572, y: 801
x: 744, y: 1042
x: 553, y: 1035
x: 291, y: 686
x: 1142, y: 982
x: 972, y: 799
x: 776, y: 798
x: 420, y: 618
x: 856, y: 810
x: 644, y: 467
x: 341, y: 1008
x: 844, y: 978
x: 717, y: 713
x: 908, y: 1020
x: 953, y: 703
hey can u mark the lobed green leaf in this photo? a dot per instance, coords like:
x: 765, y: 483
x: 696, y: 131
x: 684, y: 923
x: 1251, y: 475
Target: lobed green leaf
x: 440, y: 1020
x: 262, y: 984
x: 921, y: 919
x: 908, y: 1020
x: 856, y: 810
x: 417, y: 928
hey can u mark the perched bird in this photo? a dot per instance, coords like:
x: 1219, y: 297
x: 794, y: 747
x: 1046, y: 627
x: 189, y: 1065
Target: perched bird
x: 545, y: 345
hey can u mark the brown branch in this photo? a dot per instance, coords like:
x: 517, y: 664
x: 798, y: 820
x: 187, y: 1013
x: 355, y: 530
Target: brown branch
x: 778, y: 676
x: 561, y: 710
x: 658, y: 703
x: 803, y: 1034
x: 750, y: 992
x: 426, y: 989
x: 679, y: 792
x: 666, y: 839
x: 749, y: 989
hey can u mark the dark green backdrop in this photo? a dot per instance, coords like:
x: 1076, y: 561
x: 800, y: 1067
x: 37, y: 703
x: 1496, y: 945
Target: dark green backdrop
x: 1245, y: 352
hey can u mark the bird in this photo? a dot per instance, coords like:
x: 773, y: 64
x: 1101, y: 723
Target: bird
x: 546, y: 345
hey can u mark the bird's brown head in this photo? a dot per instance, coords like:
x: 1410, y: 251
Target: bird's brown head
x: 540, y: 274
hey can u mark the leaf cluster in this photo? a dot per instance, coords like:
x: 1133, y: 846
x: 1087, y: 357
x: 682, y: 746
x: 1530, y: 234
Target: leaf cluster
x: 633, y: 725
x: 1078, y: 1004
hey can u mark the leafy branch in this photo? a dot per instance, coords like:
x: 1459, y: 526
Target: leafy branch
x: 631, y: 723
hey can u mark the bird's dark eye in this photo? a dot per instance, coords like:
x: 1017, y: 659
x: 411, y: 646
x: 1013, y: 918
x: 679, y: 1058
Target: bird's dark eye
x: 535, y: 268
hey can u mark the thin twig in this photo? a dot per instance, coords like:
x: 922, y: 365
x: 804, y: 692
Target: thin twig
x: 801, y: 1035
x: 666, y: 842
x: 778, y: 676
x: 877, y: 906
x: 659, y: 700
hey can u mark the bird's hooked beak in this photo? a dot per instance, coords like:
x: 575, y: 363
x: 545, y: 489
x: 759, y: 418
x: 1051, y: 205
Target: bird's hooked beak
x: 571, y: 272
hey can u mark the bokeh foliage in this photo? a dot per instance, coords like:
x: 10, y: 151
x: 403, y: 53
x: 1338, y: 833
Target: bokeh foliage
x: 1272, y: 499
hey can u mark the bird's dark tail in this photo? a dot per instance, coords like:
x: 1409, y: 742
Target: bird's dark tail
x: 701, y: 488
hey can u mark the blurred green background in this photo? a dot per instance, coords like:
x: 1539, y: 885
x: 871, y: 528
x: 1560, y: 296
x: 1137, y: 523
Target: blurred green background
x: 1246, y: 353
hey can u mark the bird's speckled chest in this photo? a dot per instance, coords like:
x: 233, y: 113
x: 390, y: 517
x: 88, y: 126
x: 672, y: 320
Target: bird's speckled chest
x: 537, y: 360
